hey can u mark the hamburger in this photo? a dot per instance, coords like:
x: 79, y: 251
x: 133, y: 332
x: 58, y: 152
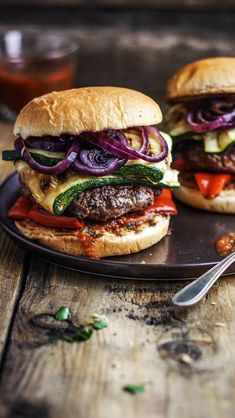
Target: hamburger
x: 94, y: 171
x: 201, y: 121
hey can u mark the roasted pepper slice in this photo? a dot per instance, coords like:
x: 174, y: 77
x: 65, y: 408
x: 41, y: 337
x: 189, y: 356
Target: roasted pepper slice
x: 211, y: 185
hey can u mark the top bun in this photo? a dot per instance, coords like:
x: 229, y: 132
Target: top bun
x: 202, y: 78
x: 86, y: 109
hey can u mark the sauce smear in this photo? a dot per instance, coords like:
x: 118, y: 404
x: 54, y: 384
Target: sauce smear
x: 225, y: 245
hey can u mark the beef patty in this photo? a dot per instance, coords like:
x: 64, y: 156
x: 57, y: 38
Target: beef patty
x: 218, y: 163
x: 109, y: 202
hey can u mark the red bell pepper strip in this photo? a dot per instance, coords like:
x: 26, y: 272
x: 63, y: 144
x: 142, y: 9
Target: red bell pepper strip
x: 163, y: 204
x: 21, y: 208
x: 47, y: 219
x: 211, y: 185
x: 24, y: 208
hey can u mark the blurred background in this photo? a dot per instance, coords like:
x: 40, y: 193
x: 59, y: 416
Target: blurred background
x: 137, y: 44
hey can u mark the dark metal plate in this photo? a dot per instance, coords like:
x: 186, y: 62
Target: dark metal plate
x: 188, y: 250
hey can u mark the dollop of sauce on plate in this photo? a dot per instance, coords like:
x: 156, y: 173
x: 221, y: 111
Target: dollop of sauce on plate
x: 225, y: 245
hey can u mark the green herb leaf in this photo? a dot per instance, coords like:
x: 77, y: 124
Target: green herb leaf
x: 62, y: 314
x: 83, y: 335
x: 134, y: 389
x: 100, y: 323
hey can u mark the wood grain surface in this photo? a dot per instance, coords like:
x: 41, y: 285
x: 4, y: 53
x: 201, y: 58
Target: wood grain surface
x: 11, y: 258
x: 185, y: 358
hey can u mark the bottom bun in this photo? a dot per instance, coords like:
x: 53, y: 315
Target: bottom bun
x: 224, y: 203
x: 108, y: 244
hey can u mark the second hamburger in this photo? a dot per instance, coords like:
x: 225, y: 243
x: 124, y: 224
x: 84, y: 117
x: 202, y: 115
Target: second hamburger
x: 201, y: 121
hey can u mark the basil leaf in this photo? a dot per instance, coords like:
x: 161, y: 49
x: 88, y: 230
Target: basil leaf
x: 134, y: 389
x: 62, y: 314
x: 100, y: 323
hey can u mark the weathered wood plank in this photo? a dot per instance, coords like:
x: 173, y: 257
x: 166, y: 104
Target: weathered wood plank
x: 11, y: 257
x: 11, y: 262
x: 185, y: 357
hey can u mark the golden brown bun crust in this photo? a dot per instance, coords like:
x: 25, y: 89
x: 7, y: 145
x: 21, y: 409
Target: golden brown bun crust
x: 86, y: 109
x: 202, y: 78
x: 224, y: 203
x: 107, y: 245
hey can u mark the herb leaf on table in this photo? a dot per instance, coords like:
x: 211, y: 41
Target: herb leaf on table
x: 99, y: 322
x: 62, y: 314
x: 134, y: 389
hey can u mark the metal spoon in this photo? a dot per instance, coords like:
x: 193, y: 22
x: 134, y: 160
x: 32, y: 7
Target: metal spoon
x: 195, y: 291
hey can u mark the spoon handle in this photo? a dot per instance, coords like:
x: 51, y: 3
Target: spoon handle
x: 194, y: 292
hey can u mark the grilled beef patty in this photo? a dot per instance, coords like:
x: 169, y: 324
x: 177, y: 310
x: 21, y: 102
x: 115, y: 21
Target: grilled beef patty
x: 109, y: 202
x: 217, y: 163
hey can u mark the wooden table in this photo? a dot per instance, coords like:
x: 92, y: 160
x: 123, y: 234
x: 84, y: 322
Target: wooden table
x: 185, y: 357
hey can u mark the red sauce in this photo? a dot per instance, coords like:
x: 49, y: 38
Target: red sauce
x: 131, y: 222
x: 87, y: 238
x: 87, y: 242
x: 88, y: 235
x: 225, y: 245
x: 22, y: 80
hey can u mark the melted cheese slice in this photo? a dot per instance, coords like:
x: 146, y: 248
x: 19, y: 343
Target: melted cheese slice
x: 46, y: 188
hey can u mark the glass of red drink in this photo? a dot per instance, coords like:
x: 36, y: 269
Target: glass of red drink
x: 33, y: 63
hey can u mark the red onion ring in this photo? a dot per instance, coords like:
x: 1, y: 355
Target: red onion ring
x: 48, y: 143
x: 82, y: 168
x: 60, y: 167
x: 96, y: 161
x: 145, y: 139
x: 110, y: 151
x: 210, y: 115
x: 121, y: 150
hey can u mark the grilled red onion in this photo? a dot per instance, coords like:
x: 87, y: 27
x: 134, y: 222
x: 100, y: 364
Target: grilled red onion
x: 210, y: 115
x: 120, y: 136
x: 48, y: 143
x: 110, y: 150
x: 97, y: 162
x: 122, y: 150
x: 145, y: 140
x: 60, y: 167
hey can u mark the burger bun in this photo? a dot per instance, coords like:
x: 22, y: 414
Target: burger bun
x: 212, y: 76
x: 86, y: 109
x: 108, y: 244
x: 224, y: 203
